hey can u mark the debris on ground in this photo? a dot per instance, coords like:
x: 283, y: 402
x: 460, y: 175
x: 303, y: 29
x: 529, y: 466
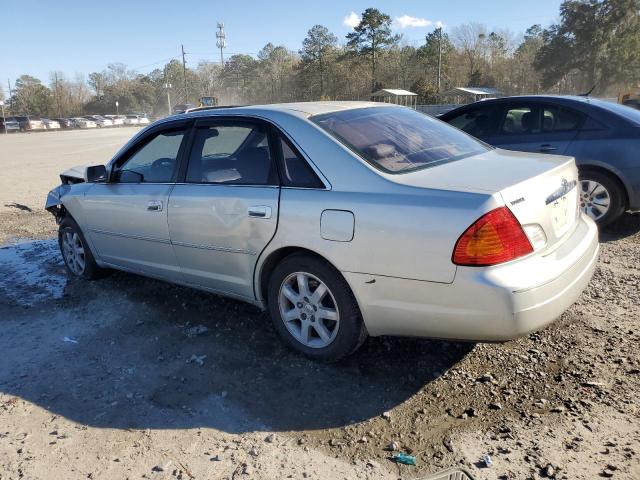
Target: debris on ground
x: 404, y: 458
x: 199, y: 359
x: 195, y: 331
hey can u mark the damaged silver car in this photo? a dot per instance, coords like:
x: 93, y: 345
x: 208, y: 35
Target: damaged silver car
x: 343, y: 219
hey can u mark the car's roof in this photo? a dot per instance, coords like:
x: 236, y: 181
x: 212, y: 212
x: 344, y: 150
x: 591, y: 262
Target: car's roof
x: 303, y: 109
x: 590, y: 105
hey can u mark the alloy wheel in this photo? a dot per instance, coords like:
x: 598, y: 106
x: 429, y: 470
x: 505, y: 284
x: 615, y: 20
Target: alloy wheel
x: 595, y: 199
x: 309, y: 310
x: 73, y: 252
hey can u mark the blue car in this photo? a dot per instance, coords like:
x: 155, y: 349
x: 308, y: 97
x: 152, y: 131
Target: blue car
x: 603, y: 137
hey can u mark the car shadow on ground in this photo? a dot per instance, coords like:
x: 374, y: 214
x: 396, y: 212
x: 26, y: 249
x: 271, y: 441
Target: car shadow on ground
x: 626, y: 226
x: 153, y: 355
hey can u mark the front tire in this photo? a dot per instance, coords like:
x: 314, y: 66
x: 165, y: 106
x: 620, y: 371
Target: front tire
x: 314, y: 310
x: 76, y: 252
x: 601, y: 197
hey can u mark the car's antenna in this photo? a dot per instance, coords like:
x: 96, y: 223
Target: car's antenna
x: 589, y: 92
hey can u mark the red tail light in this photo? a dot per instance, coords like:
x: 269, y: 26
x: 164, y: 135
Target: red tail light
x: 496, y: 237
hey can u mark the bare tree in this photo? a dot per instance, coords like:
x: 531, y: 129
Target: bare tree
x: 471, y: 41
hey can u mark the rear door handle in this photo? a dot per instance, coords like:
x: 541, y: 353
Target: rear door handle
x: 154, y: 205
x: 260, y: 211
x: 547, y: 147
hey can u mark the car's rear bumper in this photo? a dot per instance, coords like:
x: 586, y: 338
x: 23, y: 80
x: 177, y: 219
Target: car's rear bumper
x: 486, y: 304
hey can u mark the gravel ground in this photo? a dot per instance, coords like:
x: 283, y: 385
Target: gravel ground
x: 129, y: 377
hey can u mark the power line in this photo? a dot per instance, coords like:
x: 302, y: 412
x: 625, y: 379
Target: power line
x: 165, y: 60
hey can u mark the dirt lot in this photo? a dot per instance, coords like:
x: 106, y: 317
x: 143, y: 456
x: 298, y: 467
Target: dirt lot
x: 128, y: 377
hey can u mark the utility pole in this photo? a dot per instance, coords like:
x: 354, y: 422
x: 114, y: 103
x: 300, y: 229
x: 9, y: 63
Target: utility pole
x: 167, y: 85
x: 57, y: 94
x: 221, y: 41
x: 6, y: 130
x: 10, y: 102
x: 184, y: 76
x: 439, y: 56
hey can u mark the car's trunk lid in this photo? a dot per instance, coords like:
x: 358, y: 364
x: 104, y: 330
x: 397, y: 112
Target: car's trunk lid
x: 538, y: 189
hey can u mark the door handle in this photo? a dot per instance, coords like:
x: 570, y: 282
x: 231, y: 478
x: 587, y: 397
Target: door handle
x: 547, y: 147
x: 154, y: 205
x: 260, y: 211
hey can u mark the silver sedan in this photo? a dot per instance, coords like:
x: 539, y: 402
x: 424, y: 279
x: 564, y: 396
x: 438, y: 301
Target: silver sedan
x: 343, y: 219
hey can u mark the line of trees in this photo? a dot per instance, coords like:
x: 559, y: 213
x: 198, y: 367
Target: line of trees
x: 596, y: 44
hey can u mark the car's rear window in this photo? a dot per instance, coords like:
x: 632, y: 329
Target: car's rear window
x: 398, y: 140
x: 629, y: 113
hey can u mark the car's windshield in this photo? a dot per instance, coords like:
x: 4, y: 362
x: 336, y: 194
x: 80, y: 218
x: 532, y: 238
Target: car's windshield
x: 398, y: 140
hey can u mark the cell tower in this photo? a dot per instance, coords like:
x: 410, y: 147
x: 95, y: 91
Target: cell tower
x: 221, y: 40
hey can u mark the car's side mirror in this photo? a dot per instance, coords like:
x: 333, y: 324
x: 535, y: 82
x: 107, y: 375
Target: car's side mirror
x: 97, y: 173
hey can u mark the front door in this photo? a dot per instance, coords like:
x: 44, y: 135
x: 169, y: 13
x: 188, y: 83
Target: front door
x: 127, y: 216
x: 225, y: 211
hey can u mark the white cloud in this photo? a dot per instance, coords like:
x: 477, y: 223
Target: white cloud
x: 407, y: 21
x: 352, y: 20
x: 440, y: 24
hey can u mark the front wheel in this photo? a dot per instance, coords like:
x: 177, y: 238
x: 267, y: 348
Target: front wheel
x: 601, y: 197
x: 313, y: 309
x: 75, y: 251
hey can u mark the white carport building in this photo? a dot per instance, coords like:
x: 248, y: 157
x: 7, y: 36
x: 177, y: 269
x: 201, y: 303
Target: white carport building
x: 397, y: 96
x: 471, y: 94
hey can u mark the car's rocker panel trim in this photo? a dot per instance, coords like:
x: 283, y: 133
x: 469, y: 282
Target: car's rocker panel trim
x: 128, y: 235
x: 213, y: 247
x: 169, y: 242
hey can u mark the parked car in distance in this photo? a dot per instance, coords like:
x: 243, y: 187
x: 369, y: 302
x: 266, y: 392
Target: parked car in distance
x: 64, y: 122
x: 82, y: 122
x: 343, y: 219
x: 50, y: 124
x: 28, y: 123
x: 9, y: 124
x: 183, y: 107
x: 143, y: 120
x: 602, y: 136
x: 99, y: 120
x: 131, y: 120
x: 116, y: 120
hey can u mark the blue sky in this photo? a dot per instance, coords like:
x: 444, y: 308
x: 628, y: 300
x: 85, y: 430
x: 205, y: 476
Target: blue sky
x: 79, y: 37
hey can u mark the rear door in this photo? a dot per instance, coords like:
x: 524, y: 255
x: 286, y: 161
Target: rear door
x: 537, y: 127
x: 224, y: 210
x: 127, y: 216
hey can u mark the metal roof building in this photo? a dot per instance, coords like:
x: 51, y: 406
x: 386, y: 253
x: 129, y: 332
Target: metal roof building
x: 395, y: 95
x: 475, y: 93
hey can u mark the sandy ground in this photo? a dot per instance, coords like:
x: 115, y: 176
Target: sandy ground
x: 128, y: 377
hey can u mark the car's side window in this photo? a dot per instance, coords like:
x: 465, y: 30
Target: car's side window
x: 154, y: 162
x: 232, y: 154
x: 591, y: 124
x: 478, y: 122
x: 296, y: 172
x: 558, y: 119
x: 520, y: 120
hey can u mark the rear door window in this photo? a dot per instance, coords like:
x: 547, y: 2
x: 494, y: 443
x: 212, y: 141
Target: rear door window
x: 232, y: 154
x: 559, y: 119
x: 296, y: 171
x: 520, y: 120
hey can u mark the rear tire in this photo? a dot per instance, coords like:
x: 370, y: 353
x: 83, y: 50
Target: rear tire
x: 601, y: 197
x: 76, y: 252
x: 314, y: 310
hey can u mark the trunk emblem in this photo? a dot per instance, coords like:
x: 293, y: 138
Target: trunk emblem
x: 566, y: 187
